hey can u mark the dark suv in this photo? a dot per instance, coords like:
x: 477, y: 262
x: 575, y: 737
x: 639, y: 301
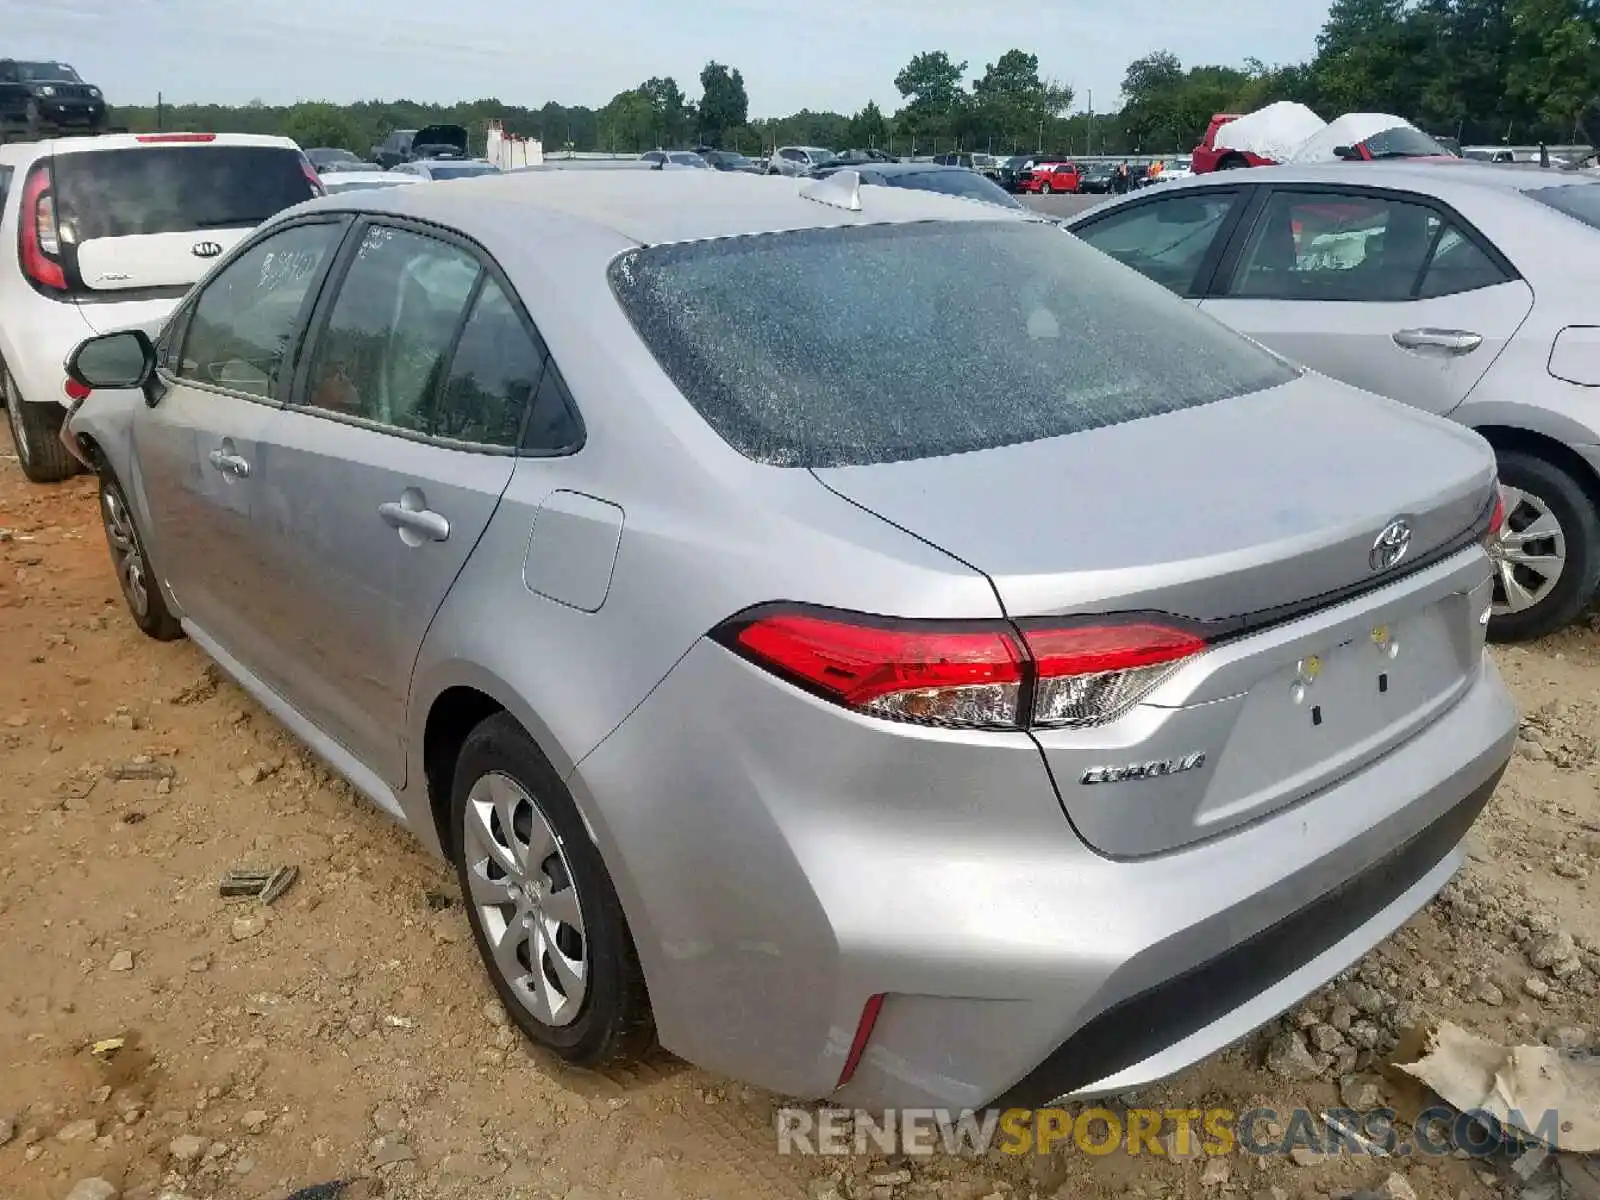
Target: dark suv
x: 46, y: 99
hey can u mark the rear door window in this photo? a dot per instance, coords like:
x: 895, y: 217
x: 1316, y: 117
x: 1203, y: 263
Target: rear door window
x: 174, y: 189
x: 880, y: 343
x: 1339, y: 246
x: 1164, y: 240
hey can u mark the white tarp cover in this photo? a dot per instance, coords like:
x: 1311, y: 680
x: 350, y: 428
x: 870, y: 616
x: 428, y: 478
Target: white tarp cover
x: 1274, y: 132
x: 1347, y: 130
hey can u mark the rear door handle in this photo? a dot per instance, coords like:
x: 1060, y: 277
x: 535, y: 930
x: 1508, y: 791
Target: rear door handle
x: 422, y: 522
x: 1451, y: 341
x: 231, y: 464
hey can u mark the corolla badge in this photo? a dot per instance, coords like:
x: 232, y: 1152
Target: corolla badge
x: 206, y: 249
x: 1130, y: 772
x: 1391, y: 546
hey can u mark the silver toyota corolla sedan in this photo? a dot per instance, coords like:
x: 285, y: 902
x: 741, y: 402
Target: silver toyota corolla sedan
x: 814, y: 620
x: 1465, y: 290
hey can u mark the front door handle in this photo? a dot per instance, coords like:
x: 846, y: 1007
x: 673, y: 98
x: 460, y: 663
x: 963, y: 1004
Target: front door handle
x: 231, y: 464
x: 420, y: 522
x: 1451, y: 341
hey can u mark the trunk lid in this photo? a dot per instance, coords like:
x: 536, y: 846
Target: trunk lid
x: 1243, y: 506
x: 1260, y: 515
x: 153, y: 260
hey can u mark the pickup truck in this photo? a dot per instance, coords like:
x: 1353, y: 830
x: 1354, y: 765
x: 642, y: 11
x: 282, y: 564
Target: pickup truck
x: 47, y: 99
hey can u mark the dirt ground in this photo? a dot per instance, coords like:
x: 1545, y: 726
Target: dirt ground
x: 348, y: 1029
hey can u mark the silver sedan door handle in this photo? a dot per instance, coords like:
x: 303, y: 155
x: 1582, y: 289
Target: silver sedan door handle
x: 1451, y: 341
x: 230, y: 464
x: 421, y: 522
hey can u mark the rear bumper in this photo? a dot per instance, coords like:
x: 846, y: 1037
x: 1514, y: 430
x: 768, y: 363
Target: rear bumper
x: 781, y: 861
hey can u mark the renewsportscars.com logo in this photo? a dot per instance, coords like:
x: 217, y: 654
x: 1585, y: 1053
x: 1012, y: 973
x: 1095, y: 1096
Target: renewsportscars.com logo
x: 1179, y: 1132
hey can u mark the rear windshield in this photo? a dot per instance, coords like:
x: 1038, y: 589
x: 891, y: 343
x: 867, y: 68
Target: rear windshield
x: 849, y: 346
x: 965, y: 184
x: 1403, y: 142
x: 174, y: 189
x: 1580, y: 201
x: 438, y: 171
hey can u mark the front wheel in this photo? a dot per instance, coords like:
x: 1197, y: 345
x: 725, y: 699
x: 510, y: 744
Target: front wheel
x: 1046, y: 188
x: 543, y: 910
x: 1547, y: 561
x: 36, y: 433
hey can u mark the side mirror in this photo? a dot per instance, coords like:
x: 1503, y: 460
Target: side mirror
x: 125, y: 359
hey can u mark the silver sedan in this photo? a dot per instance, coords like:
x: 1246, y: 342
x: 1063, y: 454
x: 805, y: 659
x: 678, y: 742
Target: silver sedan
x: 816, y: 626
x: 1462, y: 289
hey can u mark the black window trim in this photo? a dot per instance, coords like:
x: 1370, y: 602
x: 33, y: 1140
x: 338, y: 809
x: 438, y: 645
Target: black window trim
x: 1222, y: 278
x: 316, y: 325
x: 1205, y: 273
x: 181, y: 321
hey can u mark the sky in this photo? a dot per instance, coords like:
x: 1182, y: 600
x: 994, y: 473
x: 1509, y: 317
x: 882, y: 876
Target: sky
x: 794, y: 54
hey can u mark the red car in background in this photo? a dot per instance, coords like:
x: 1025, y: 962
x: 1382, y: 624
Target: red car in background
x: 1050, y: 177
x: 1207, y: 157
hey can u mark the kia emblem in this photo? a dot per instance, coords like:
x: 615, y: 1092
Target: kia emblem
x: 206, y: 249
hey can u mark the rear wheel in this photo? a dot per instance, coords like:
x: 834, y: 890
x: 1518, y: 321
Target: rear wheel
x: 1046, y: 188
x: 141, y: 590
x: 542, y: 907
x: 1547, y: 562
x: 36, y: 433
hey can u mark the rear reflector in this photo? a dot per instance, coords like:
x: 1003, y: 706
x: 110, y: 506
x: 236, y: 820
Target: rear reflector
x: 858, y: 1044
x: 149, y: 138
x: 967, y: 674
x: 1497, y: 523
x: 75, y: 390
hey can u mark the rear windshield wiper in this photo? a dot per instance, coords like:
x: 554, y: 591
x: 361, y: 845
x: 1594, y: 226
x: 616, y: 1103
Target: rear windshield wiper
x: 231, y: 223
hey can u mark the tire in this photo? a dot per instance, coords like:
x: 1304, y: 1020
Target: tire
x: 1537, y: 490
x: 36, y: 434
x: 141, y: 587
x: 501, y: 770
x: 1046, y: 188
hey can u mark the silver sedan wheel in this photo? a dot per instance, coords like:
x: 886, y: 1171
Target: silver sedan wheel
x: 526, y: 903
x: 19, y: 431
x: 125, y: 553
x: 1531, y: 554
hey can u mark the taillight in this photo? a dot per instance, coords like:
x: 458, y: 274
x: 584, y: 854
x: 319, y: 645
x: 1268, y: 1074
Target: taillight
x: 1087, y: 674
x: 40, y: 241
x: 75, y: 390
x: 315, y: 180
x: 1497, y: 521
x: 972, y: 674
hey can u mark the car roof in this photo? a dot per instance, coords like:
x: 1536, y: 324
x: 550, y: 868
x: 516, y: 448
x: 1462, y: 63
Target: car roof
x: 20, y: 152
x: 370, y: 177
x: 899, y: 168
x: 668, y: 207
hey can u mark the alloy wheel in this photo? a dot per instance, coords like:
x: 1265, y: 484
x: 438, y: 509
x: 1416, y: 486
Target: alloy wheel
x: 525, y: 901
x: 126, y: 554
x: 1531, y: 554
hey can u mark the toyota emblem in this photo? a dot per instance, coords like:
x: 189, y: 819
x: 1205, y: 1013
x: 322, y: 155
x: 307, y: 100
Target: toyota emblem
x: 1391, y: 546
x: 206, y: 249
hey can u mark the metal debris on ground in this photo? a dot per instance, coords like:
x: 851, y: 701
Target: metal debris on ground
x: 106, y: 1048
x: 266, y: 886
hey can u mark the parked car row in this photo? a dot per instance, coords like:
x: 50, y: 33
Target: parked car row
x: 711, y: 636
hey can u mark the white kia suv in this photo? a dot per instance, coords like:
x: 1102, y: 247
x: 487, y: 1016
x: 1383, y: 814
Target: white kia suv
x: 109, y: 233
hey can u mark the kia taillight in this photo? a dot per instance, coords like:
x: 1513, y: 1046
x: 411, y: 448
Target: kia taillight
x: 39, y: 241
x: 971, y: 674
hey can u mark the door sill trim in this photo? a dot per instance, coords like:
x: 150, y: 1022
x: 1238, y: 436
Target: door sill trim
x: 324, y: 747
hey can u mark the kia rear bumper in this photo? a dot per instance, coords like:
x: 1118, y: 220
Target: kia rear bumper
x: 782, y: 861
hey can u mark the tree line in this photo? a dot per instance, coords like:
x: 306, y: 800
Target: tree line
x: 1483, y: 71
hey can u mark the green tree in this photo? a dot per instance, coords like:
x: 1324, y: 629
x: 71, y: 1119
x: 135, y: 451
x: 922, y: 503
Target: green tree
x: 674, y: 115
x: 1554, y: 59
x: 724, y: 104
x: 868, y: 129
x: 330, y: 125
x: 1012, y: 104
x: 935, y: 101
x: 628, y: 123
